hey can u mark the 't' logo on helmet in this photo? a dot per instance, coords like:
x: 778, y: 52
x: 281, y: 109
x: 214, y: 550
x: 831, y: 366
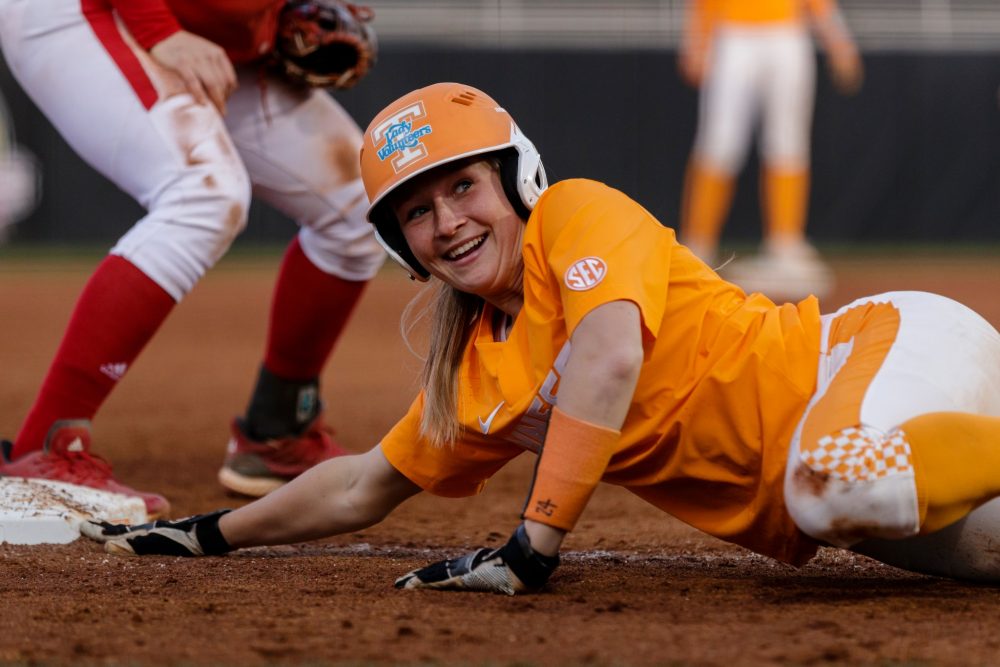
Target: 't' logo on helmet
x: 397, y: 136
x: 585, y: 273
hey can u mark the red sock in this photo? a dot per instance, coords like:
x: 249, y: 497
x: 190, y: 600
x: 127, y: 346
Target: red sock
x: 118, y: 312
x: 309, y: 311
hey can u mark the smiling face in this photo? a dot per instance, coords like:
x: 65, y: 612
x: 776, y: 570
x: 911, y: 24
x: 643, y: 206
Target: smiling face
x: 461, y: 227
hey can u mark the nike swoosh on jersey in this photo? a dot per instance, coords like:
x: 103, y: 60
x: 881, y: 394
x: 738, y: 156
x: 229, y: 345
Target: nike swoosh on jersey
x: 484, y: 426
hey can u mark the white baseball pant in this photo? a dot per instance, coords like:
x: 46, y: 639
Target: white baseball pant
x: 191, y: 169
x: 884, y: 360
x: 764, y: 74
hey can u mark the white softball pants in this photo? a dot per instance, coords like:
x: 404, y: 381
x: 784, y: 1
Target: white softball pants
x: 192, y: 169
x: 885, y: 360
x: 764, y: 74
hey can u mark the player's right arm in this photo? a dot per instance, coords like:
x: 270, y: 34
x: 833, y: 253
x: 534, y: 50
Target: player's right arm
x: 340, y: 495
x: 693, y: 55
x: 202, y: 66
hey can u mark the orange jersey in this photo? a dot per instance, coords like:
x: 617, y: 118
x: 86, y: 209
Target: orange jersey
x: 761, y: 11
x: 724, y: 380
x: 704, y: 16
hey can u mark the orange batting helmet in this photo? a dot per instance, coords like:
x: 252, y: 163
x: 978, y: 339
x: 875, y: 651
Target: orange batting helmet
x: 433, y: 126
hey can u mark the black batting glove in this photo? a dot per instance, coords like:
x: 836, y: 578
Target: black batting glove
x: 513, y: 568
x: 194, y: 536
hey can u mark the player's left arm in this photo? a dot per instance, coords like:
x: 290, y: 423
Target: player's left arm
x: 595, y: 392
x: 843, y: 59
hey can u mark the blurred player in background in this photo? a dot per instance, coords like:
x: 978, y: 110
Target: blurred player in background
x: 177, y: 102
x: 753, y: 60
x: 569, y: 323
x: 19, y: 182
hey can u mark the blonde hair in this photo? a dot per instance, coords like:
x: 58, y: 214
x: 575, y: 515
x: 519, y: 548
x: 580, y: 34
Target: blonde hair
x: 453, y: 314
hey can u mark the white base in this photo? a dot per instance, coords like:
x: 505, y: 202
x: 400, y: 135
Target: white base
x: 39, y: 511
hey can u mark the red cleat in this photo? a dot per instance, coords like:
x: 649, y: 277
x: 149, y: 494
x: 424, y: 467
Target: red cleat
x: 254, y: 468
x: 66, y: 457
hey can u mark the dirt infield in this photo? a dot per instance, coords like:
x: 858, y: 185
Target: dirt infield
x: 636, y: 588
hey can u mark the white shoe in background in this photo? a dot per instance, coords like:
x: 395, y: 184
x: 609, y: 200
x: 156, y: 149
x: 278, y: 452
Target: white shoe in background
x: 783, y: 272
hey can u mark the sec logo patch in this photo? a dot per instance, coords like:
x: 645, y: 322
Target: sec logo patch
x: 585, y: 273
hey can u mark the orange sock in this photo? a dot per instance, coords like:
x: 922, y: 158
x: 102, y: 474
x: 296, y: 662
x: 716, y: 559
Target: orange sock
x: 956, y: 458
x: 785, y: 194
x: 707, y: 197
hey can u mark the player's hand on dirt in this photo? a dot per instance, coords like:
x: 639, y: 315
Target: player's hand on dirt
x: 197, y: 535
x: 203, y: 66
x: 513, y: 568
x: 846, y: 68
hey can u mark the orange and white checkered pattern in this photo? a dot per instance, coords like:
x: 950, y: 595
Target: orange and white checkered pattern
x: 859, y: 454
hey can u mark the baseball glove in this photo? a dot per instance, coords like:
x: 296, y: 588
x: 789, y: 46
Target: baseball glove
x: 325, y: 43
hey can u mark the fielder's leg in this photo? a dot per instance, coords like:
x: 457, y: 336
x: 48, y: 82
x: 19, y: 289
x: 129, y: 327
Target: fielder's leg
x: 132, y: 121
x: 789, y: 268
x: 301, y: 149
x: 785, y: 135
x: 727, y: 106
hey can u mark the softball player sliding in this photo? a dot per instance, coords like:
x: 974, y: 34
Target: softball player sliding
x: 571, y: 324
x: 753, y: 60
x: 146, y: 91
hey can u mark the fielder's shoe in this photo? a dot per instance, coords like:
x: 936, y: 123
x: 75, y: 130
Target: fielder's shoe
x: 66, y: 457
x: 255, y: 468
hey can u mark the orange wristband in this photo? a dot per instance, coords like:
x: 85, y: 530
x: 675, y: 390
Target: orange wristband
x: 572, y: 462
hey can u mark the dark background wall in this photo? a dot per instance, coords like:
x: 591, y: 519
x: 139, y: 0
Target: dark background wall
x: 914, y: 157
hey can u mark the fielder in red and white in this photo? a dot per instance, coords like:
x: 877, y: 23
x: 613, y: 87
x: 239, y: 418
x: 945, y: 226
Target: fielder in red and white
x: 171, y: 100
